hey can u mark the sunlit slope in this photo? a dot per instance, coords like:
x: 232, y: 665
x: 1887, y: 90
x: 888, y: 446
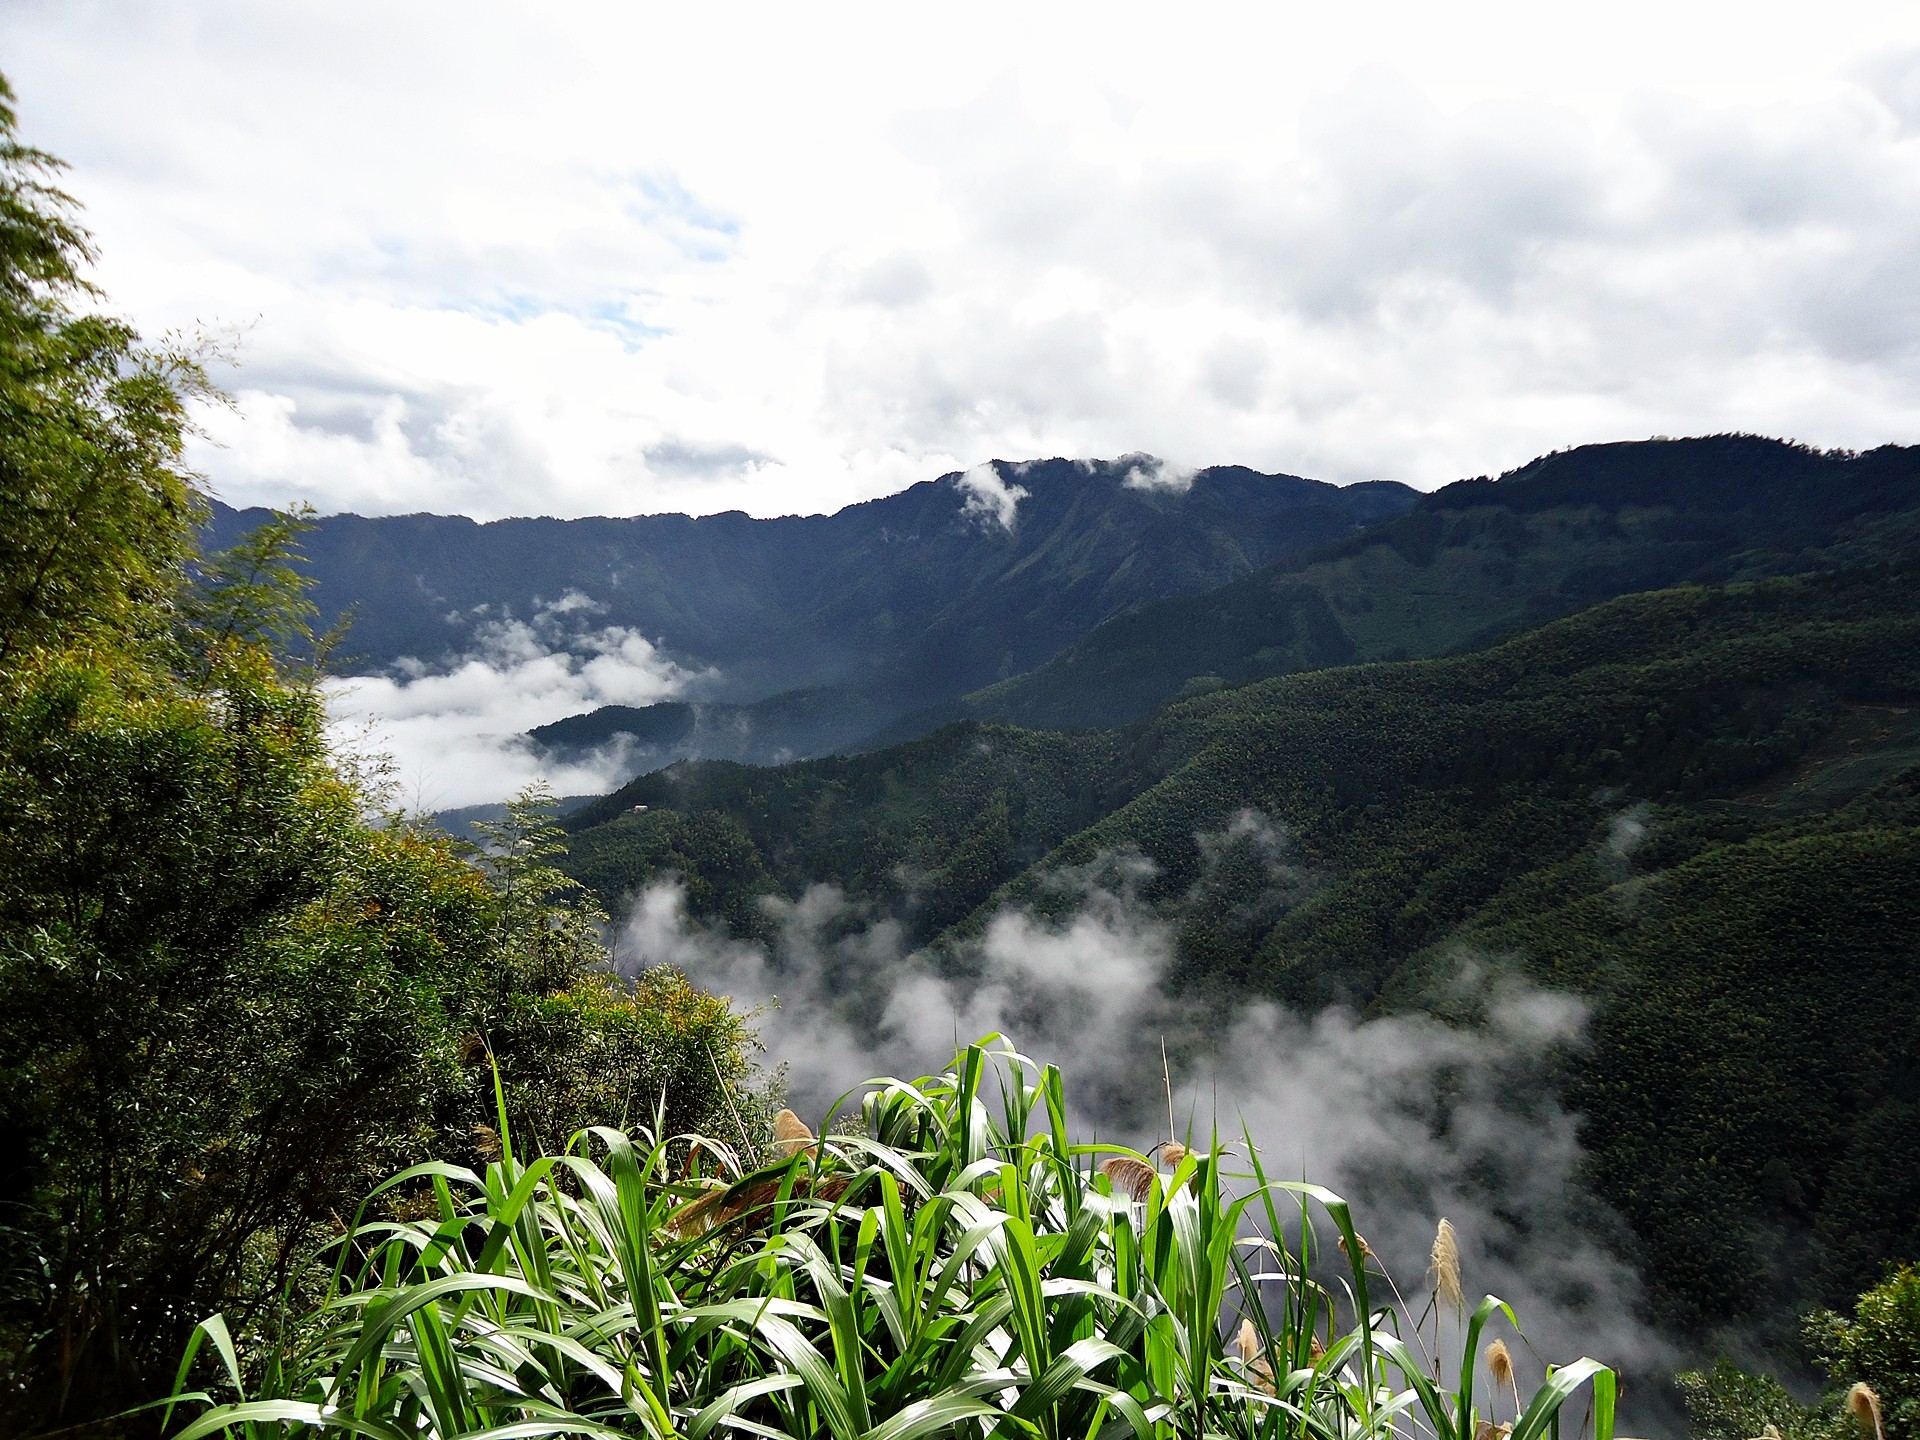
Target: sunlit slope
x: 1418, y: 790
x: 1484, y: 558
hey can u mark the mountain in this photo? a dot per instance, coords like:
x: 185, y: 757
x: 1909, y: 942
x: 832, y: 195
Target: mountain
x: 1476, y: 560
x: 949, y: 585
x: 1698, y: 808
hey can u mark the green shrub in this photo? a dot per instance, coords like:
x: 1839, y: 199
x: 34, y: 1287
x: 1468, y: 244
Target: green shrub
x: 1880, y: 1346
x: 1728, y: 1403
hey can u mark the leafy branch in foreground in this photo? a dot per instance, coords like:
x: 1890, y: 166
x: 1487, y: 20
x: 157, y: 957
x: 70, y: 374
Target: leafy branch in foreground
x: 954, y: 1268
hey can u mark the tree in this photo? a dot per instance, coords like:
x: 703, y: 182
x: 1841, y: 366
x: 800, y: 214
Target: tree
x: 99, y: 512
x: 228, y: 1001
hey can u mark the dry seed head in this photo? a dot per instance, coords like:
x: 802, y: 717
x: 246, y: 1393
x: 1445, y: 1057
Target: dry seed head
x: 1487, y: 1430
x: 486, y: 1140
x: 1500, y: 1363
x: 1172, y: 1153
x: 1130, y: 1175
x: 1316, y: 1352
x: 1445, y: 1266
x: 1366, y: 1250
x: 1247, y: 1342
x: 698, y: 1217
x: 790, y: 1134
x: 1863, y: 1403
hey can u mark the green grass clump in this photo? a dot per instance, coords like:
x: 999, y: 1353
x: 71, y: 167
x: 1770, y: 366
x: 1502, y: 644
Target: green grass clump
x: 953, y: 1267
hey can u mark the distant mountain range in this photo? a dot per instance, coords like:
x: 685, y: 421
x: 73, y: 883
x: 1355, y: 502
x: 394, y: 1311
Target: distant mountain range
x: 1477, y: 560
x: 884, y: 607
x: 1071, y: 594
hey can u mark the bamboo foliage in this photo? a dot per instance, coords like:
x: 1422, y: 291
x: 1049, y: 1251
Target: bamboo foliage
x: 955, y: 1268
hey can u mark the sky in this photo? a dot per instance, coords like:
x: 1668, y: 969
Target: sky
x: 617, y: 259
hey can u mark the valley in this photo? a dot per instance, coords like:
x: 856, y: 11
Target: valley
x: 1693, y: 806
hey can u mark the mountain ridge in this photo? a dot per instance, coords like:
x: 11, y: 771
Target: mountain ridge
x: 756, y: 595
x: 1478, y: 559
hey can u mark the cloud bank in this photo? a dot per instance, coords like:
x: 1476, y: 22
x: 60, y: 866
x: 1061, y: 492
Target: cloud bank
x: 487, y: 268
x: 453, y: 736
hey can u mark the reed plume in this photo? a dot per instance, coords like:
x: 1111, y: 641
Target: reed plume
x: 698, y: 1217
x: 1445, y: 1266
x: 1366, y: 1250
x: 1172, y: 1153
x: 1131, y: 1175
x: 791, y: 1136
x: 1863, y: 1403
x: 486, y: 1141
x: 743, y: 1198
x: 1500, y: 1365
x: 1247, y: 1342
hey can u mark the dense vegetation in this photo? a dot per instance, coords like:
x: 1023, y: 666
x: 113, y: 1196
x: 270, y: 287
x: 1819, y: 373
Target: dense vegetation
x: 1872, y: 1364
x: 1477, y: 560
x: 1696, y: 806
x: 930, y: 828
x: 228, y: 1003
x: 940, y: 1270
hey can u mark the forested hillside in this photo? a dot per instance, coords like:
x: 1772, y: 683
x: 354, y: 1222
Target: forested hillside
x: 1696, y: 806
x: 1479, y: 559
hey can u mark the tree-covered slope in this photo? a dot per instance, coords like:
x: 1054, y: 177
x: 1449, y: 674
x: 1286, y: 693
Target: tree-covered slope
x: 925, y: 831
x: 1693, y: 806
x: 229, y: 1002
x: 1749, y: 1089
x: 1481, y: 558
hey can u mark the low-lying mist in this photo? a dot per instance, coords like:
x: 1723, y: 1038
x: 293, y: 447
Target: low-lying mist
x: 456, y: 735
x: 1411, y: 1118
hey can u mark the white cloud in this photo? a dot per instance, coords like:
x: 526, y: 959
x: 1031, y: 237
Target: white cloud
x: 454, y: 735
x: 990, y: 499
x: 1150, y: 472
x: 619, y: 260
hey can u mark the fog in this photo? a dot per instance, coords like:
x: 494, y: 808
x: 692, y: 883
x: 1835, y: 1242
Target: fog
x: 1411, y: 1118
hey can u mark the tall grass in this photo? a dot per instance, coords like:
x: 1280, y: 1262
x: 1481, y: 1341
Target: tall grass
x: 958, y: 1268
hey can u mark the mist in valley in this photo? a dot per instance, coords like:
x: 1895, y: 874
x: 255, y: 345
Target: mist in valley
x: 1411, y: 1118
